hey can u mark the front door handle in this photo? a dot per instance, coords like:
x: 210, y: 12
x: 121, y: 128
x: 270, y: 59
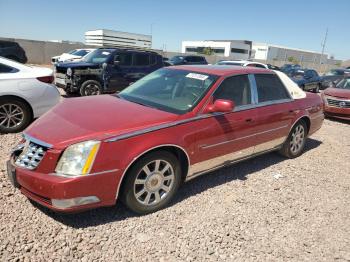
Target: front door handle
x: 249, y: 120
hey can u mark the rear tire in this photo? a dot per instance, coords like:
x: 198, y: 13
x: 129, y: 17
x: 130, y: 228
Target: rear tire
x: 148, y: 191
x: 295, y: 143
x: 15, y: 115
x: 90, y: 88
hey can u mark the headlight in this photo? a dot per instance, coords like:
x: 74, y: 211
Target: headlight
x: 69, y: 72
x: 78, y: 159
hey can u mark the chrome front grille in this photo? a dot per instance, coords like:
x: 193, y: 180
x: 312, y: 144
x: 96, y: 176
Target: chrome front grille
x: 31, y: 155
x: 338, y: 103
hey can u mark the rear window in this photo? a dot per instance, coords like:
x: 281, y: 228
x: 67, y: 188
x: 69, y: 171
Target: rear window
x: 7, y: 69
x: 270, y: 88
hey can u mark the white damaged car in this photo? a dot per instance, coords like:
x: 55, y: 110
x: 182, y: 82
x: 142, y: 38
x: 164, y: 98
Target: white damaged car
x: 71, y: 56
x: 25, y: 94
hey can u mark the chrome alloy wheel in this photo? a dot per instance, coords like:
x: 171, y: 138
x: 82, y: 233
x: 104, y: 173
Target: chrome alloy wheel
x: 154, y: 182
x: 297, y: 139
x: 11, y: 115
x: 92, y: 89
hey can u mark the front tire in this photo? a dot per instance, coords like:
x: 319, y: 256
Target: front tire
x: 151, y: 182
x: 90, y: 88
x: 15, y: 115
x: 295, y: 143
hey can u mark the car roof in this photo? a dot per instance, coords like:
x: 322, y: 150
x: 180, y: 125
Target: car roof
x: 222, y: 70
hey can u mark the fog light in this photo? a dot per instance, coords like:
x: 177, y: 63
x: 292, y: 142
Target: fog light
x: 73, y: 202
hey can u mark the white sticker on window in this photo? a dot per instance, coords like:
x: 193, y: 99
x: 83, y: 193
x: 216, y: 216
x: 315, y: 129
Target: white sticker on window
x: 197, y: 76
x: 105, y: 53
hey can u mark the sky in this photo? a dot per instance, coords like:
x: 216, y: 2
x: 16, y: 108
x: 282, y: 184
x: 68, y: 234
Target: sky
x: 298, y: 24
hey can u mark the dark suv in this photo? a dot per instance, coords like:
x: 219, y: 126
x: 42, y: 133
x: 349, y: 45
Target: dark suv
x: 187, y: 60
x: 106, y: 70
x: 13, y: 51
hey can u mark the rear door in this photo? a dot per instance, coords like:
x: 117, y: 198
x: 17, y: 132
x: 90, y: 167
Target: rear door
x: 273, y: 112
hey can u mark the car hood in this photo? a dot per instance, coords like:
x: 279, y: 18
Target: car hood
x: 98, y: 117
x: 337, y: 92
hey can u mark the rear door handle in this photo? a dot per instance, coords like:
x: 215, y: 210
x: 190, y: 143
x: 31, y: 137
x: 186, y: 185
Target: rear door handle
x: 249, y: 120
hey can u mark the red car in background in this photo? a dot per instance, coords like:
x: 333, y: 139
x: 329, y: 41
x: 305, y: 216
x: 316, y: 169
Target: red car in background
x: 337, y: 100
x: 172, y: 125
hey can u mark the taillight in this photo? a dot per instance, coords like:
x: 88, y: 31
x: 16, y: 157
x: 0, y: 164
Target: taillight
x: 46, y: 79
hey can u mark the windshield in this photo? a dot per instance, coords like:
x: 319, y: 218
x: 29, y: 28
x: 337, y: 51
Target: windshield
x: 176, y: 59
x: 72, y: 51
x: 171, y: 90
x: 80, y: 52
x: 296, y: 73
x: 344, y: 84
x: 98, y: 56
x: 334, y: 73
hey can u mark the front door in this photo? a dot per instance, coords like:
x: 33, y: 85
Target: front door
x: 225, y: 137
x: 118, y: 71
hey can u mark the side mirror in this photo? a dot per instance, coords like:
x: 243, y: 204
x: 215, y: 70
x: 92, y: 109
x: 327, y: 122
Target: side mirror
x: 220, y: 106
x: 104, y: 66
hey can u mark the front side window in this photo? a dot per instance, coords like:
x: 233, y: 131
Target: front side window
x: 270, y: 88
x: 141, y: 59
x: 175, y: 91
x: 124, y: 59
x: 236, y: 89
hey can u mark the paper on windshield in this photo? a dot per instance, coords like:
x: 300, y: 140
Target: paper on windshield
x: 197, y: 76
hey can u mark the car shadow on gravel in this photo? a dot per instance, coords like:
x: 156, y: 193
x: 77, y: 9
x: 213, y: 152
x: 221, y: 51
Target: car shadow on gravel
x: 239, y: 171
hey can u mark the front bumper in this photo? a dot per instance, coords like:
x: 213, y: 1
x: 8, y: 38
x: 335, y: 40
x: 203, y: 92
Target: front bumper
x: 337, y: 112
x: 64, y: 194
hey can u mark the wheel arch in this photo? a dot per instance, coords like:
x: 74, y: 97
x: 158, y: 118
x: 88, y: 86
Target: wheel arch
x: 21, y: 99
x: 179, y: 152
x: 306, y: 119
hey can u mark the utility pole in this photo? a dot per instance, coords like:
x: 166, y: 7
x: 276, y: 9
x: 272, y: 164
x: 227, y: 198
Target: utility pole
x: 324, y: 45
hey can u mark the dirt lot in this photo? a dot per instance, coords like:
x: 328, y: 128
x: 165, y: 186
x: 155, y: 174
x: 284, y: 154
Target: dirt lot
x: 265, y: 209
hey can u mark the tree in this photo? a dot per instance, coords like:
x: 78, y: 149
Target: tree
x: 207, y: 51
x: 293, y: 60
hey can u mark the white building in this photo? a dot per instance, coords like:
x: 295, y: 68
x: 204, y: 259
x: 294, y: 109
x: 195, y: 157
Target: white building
x: 240, y: 49
x: 244, y: 49
x: 110, y: 38
x: 268, y: 52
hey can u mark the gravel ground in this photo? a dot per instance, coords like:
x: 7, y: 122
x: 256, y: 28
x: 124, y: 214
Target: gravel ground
x: 265, y: 209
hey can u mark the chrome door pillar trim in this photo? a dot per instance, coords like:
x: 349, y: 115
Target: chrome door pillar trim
x: 254, y: 89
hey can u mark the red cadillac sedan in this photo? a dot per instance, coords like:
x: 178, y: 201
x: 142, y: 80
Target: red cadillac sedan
x: 337, y: 100
x: 177, y: 123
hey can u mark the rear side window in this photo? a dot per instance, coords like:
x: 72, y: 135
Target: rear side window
x: 259, y: 66
x: 270, y: 88
x: 7, y: 69
x: 141, y: 59
x: 153, y: 59
x: 236, y: 89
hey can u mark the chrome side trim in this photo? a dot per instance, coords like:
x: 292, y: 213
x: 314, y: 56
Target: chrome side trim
x: 217, y: 162
x: 197, y: 170
x: 270, y: 144
x: 92, y: 174
x: 244, y: 137
x: 36, y: 141
x: 144, y: 152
